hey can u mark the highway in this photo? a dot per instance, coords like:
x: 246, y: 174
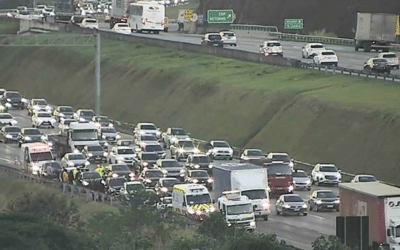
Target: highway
x: 299, y: 231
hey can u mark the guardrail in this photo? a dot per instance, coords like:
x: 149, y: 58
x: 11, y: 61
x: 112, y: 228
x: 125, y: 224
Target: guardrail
x: 7, y: 10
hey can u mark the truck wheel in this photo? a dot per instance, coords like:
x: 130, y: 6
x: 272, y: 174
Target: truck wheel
x: 304, y: 214
x: 266, y: 217
x: 317, y: 208
x: 356, y: 48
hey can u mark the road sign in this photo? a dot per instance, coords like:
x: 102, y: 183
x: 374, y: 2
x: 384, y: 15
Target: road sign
x: 194, y: 18
x: 220, y: 16
x: 294, y: 24
x: 188, y: 14
x: 200, y: 19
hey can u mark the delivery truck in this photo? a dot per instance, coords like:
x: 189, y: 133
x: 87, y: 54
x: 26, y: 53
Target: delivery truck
x: 375, y: 31
x: 251, y: 180
x: 378, y: 201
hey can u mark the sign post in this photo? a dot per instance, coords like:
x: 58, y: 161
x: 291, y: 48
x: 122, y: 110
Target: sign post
x: 294, y: 24
x: 220, y: 16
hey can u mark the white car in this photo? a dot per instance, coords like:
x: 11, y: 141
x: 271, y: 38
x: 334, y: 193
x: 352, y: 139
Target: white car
x: 220, y: 149
x: 271, y: 48
x: 83, y: 115
x: 363, y: 178
x: 48, y: 12
x: 109, y: 134
x: 326, y: 174
x: 280, y: 158
x: 326, y: 57
x: 301, y: 180
x: 252, y: 154
x: 40, y: 8
x: 63, y: 126
x: 311, y: 49
x: 38, y: 105
x: 71, y: 160
x: 122, y: 28
x: 146, y: 128
x: 121, y: 155
x: 7, y: 119
x: 40, y: 119
x: 90, y: 23
x: 228, y: 38
x: 391, y: 57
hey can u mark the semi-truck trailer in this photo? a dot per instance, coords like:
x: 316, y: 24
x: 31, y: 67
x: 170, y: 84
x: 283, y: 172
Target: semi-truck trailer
x: 378, y: 201
x: 119, y: 11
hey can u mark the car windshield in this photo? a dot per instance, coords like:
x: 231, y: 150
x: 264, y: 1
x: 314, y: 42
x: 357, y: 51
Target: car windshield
x: 148, y: 127
x: 123, y: 25
x: 186, y: 144
x: 221, y: 144
x: 103, y: 119
x: 91, y: 21
x: 299, y: 174
x: 254, y: 153
x: 87, y: 113
x: 366, y: 179
x: 293, y: 198
x: 76, y: 157
x: 326, y: 195
x: 12, y: 129
x: 389, y: 56
x: 284, y: 158
x: 150, y: 157
x: 178, y: 131
x: 95, y: 148
x: 153, y: 148
x: 273, y: 44
x: 45, y: 156
x: 379, y: 61
x: 53, y: 165
x: 148, y: 138
x: 255, y: 194
x: 239, y: 209
x: 84, y: 135
x: 120, y: 168
x: 5, y: 116
x: 214, y: 37
x: 170, y: 164
x: 126, y: 143
x: 66, y: 109
x: 317, y: 46
x: 108, y: 130
x: 91, y: 175
x: 328, y: 53
x: 13, y: 95
x: 170, y: 183
x: 328, y: 169
x: 279, y: 169
x: 67, y: 122
x: 32, y: 132
x: 135, y: 187
x: 200, y: 174
x: 397, y: 229
x: 125, y: 151
x: 201, y: 159
x: 39, y: 102
x: 155, y: 174
x: 116, y: 182
x: 198, y: 199
x: 44, y: 115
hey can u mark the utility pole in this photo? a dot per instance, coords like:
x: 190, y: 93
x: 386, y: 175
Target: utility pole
x: 98, y: 74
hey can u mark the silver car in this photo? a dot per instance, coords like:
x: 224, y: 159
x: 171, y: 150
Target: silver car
x: 291, y: 204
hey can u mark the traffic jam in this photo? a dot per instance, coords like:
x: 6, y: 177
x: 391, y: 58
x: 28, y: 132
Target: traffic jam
x: 193, y: 179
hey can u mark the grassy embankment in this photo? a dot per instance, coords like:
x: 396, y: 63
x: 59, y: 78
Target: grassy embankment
x: 315, y: 117
x: 7, y: 27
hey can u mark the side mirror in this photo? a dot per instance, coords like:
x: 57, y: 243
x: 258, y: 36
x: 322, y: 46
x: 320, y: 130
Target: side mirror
x: 388, y: 233
x: 340, y: 171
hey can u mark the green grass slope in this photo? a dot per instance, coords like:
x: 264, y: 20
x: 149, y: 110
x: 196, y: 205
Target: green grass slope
x: 313, y: 116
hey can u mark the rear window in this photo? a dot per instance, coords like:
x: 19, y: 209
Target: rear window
x: 44, y: 115
x: 328, y: 53
x: 228, y: 34
x: 123, y: 25
x: 380, y: 61
x: 91, y: 21
x: 215, y: 37
x: 317, y: 46
x: 299, y: 174
x: 389, y: 56
x: 273, y: 44
x: 5, y: 116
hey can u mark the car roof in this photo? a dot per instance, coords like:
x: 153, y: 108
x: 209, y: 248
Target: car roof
x: 365, y: 175
x: 123, y: 147
x: 315, y: 44
x: 197, y: 170
x: 298, y: 171
x: 219, y: 141
x: 279, y: 153
x: 386, y: 53
x: 324, y: 190
x: 27, y: 129
x: 162, y: 160
x: 78, y: 153
x: 146, y: 123
x: 133, y: 182
x: 213, y: 34
x: 41, y: 99
x: 328, y: 50
x: 7, y: 114
x: 272, y: 41
x: 325, y: 165
x: 168, y: 179
x: 199, y: 155
x: 287, y: 195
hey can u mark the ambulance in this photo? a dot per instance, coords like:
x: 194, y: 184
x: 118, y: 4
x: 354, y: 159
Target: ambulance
x: 192, y: 200
x: 34, y: 155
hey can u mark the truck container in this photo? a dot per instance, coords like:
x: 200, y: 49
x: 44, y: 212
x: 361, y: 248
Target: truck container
x: 378, y: 201
x: 63, y: 11
x: 119, y: 11
x: 375, y: 31
x: 250, y: 179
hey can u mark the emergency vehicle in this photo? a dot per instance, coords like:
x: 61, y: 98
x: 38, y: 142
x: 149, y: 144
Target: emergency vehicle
x: 34, y: 155
x: 192, y: 200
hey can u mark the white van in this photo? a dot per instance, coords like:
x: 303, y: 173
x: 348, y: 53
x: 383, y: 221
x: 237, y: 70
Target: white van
x: 90, y: 23
x: 34, y: 155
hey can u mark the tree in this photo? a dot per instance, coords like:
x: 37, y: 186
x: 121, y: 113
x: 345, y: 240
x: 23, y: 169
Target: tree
x: 333, y: 243
x: 19, y: 231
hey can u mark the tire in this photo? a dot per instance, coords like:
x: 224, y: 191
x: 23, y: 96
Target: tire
x: 397, y: 67
x: 304, y: 214
x: 302, y: 55
x: 308, y: 189
x: 109, y: 161
x: 156, y: 32
x: 335, y: 64
x: 317, y: 209
x: 356, y: 48
x: 19, y: 144
x: 5, y: 140
x: 337, y: 209
x: 277, y: 212
x: 265, y: 217
x: 230, y: 158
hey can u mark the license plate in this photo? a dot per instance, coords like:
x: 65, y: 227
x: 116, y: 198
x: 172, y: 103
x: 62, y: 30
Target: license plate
x: 297, y: 209
x: 329, y: 206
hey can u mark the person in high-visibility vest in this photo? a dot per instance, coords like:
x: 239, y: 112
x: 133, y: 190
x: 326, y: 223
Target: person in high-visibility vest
x: 100, y: 169
x: 75, y: 174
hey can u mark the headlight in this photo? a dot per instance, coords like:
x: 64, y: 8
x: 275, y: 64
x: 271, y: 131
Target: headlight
x: 291, y: 164
x: 48, y: 107
x: 106, y: 144
x: 131, y: 174
x: 164, y: 171
x: 304, y: 205
x: 114, y: 175
x: 181, y: 150
x: 118, y: 136
x: 71, y: 164
x: 265, y: 205
x: 319, y: 202
x: 103, y: 136
x: 90, y: 154
x: 8, y: 136
x: 81, y: 119
x: 229, y: 224
x: 145, y: 163
x: 252, y: 223
x: 212, y: 209
x: 308, y: 182
x: 148, y: 180
x: 36, y: 107
x: 191, y: 211
x: 337, y: 201
x: 50, y: 144
x: 61, y: 114
x: 210, y: 166
x: 182, y: 171
x: 164, y: 189
x: 158, y: 133
x: 294, y: 182
x: 8, y: 105
x: 196, y: 150
x: 142, y: 132
x: 120, y: 158
x: 104, y: 153
x: 85, y: 183
x: 286, y: 206
x: 210, y: 180
x: 8, y: 100
x: 197, y: 166
x: 14, y: 122
x: 290, y: 188
x: 230, y: 151
x: 53, y: 120
x: 174, y: 139
x: 87, y: 163
x: 195, y: 180
x: 198, y: 212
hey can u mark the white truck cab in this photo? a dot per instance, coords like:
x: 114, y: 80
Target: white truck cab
x: 34, y: 155
x: 237, y: 209
x: 192, y: 200
x: 82, y: 134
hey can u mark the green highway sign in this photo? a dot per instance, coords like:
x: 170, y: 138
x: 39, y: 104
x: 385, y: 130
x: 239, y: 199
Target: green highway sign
x: 220, y: 16
x: 294, y: 24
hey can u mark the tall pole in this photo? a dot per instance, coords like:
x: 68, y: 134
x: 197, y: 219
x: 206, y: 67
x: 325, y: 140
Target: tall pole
x: 97, y: 72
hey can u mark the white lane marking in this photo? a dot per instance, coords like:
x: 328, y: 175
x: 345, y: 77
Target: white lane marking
x: 6, y: 160
x: 316, y: 216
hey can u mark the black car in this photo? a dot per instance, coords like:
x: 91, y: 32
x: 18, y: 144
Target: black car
x: 164, y: 186
x: 199, y: 161
x: 9, y: 133
x: 65, y: 112
x: 51, y: 170
x: 29, y: 135
x: 323, y: 199
x: 150, y: 177
x: 12, y: 99
x: 199, y: 177
x: 212, y: 39
x: 378, y: 65
x: 118, y: 170
x: 90, y: 179
x: 94, y: 153
x: 145, y: 160
x: 113, y: 185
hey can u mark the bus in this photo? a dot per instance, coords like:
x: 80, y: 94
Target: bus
x: 146, y: 16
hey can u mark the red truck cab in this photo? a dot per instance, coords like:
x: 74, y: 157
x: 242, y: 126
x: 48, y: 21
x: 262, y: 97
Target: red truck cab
x: 280, y: 178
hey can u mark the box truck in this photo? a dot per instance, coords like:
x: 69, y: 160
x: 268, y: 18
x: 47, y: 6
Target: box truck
x: 378, y: 201
x: 250, y: 179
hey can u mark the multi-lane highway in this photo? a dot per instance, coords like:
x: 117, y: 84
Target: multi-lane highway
x: 299, y: 231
